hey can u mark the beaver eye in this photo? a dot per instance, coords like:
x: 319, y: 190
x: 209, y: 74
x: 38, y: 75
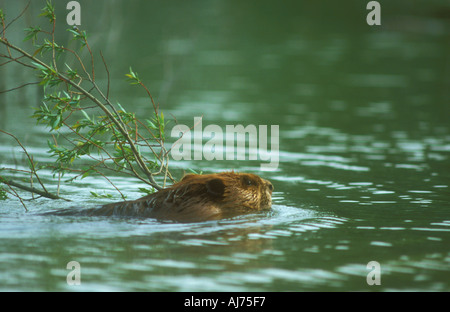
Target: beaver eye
x: 247, y: 181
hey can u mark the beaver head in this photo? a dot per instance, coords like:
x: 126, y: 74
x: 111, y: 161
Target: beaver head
x: 211, y: 196
x: 230, y: 190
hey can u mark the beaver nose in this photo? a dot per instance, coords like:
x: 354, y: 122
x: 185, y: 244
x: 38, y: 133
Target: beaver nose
x: 269, y: 186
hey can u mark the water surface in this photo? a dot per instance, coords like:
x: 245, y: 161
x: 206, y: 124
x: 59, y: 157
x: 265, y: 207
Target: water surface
x: 364, y: 150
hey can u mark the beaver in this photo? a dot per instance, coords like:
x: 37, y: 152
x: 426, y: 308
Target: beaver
x: 195, y: 198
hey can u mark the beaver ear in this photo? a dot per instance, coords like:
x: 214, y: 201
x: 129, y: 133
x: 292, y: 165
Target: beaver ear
x: 188, y: 176
x: 215, y: 187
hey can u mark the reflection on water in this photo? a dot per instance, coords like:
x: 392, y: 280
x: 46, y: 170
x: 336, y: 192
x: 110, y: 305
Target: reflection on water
x: 208, y: 248
x: 364, y: 152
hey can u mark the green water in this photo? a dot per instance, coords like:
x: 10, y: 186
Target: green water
x: 364, y: 160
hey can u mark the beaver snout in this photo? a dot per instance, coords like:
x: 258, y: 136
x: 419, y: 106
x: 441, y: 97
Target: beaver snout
x: 269, y: 186
x: 266, y: 198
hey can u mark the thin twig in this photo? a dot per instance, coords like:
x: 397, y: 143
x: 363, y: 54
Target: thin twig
x: 33, y: 169
x: 16, y: 195
x: 21, y: 86
x: 15, y: 19
x: 107, y: 74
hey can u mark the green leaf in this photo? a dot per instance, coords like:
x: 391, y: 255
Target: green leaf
x: 56, y: 124
x: 86, y: 115
x: 121, y: 108
x: 151, y: 125
x: 146, y: 191
x: 3, y: 194
x: 195, y: 172
x: 32, y: 33
x: 39, y: 66
x: 49, y: 12
x: 87, y: 173
x: 78, y: 35
x: 133, y: 77
x: 105, y: 195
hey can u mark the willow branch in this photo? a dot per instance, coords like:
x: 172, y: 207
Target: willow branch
x: 102, y: 106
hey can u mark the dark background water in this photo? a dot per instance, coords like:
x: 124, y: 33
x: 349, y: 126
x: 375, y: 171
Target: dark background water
x: 364, y: 175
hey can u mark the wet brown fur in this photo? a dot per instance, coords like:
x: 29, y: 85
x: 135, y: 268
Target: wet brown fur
x: 196, y: 198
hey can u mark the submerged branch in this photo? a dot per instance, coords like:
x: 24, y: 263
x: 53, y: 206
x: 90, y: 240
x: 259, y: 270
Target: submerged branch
x: 33, y: 190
